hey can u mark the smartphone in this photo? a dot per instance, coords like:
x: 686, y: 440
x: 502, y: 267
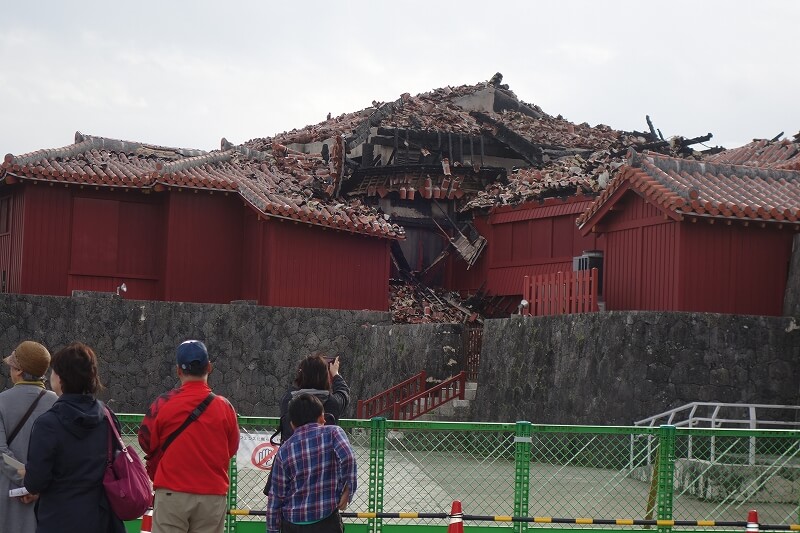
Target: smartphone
x: 331, y: 360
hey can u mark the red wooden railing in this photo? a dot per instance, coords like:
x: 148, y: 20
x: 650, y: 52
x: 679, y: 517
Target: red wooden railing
x: 384, y: 402
x: 562, y: 293
x: 473, y: 339
x: 432, y: 398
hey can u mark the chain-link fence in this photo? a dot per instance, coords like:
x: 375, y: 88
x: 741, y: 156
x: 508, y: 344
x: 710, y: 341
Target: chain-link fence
x: 546, y: 471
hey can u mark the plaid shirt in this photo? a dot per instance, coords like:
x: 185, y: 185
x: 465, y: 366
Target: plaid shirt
x: 309, y: 475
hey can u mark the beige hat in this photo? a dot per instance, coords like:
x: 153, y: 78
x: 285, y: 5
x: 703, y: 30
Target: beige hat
x: 30, y: 357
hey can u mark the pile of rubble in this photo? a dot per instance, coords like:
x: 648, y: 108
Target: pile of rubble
x: 586, y: 173
x: 568, y: 175
x: 413, y: 303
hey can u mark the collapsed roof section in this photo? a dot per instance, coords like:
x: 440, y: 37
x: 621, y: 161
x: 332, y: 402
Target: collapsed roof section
x: 281, y: 183
x: 774, y: 153
x: 478, y: 145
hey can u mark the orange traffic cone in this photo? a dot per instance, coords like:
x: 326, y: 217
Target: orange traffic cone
x: 147, y: 521
x: 752, y: 522
x: 456, y: 518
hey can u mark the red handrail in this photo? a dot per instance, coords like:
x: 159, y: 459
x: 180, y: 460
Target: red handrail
x: 385, y: 401
x: 432, y: 398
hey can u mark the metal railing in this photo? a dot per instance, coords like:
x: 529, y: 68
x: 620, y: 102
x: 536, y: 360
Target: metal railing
x: 726, y: 415
x: 716, y: 415
x: 527, y: 470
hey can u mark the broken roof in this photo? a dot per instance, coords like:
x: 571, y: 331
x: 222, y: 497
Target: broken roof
x: 483, y: 108
x: 682, y: 187
x: 282, y: 183
x: 774, y: 153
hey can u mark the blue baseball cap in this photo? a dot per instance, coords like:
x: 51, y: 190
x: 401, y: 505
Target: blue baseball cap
x: 190, y: 351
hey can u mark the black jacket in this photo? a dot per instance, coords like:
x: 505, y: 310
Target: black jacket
x: 334, y: 402
x: 67, y: 457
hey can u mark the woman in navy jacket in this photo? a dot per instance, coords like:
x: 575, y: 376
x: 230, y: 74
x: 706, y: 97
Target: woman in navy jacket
x: 68, y: 451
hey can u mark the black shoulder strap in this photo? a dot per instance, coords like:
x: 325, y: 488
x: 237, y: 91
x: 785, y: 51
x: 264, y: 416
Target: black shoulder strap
x: 278, y: 431
x: 25, y: 417
x: 194, y: 415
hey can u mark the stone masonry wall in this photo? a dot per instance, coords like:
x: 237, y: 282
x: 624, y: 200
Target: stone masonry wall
x: 597, y: 368
x: 791, y: 301
x: 616, y: 368
x: 254, y: 349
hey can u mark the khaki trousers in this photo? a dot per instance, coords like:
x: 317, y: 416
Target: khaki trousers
x: 182, y: 512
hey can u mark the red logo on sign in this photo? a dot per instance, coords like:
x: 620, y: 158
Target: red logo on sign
x: 263, y: 455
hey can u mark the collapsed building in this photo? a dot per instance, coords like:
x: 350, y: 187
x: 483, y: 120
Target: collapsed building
x: 457, y: 195
x: 444, y: 164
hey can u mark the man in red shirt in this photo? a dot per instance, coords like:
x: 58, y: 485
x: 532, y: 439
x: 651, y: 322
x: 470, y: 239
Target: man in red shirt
x: 189, y: 436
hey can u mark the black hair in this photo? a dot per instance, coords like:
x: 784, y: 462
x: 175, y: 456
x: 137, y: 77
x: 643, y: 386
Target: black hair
x: 304, y: 409
x: 76, y: 366
x: 312, y: 373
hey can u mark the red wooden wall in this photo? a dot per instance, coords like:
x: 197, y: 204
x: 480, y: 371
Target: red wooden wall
x: 10, y: 240
x: 43, y: 250
x: 204, y: 249
x: 655, y: 263
x: 252, y: 254
x: 640, y: 263
x: 117, y: 238
x: 183, y: 246
x: 527, y: 240
x: 734, y: 269
x: 306, y: 266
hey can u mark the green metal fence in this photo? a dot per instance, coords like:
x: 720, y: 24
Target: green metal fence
x: 523, y: 469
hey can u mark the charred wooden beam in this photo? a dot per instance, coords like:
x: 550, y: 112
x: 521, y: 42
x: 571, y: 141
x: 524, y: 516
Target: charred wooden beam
x: 703, y: 138
x: 653, y: 135
x: 408, y: 150
x: 450, y: 146
x: 367, y: 154
x: 436, y: 141
x: 526, y: 149
x: 361, y: 132
x: 504, y: 102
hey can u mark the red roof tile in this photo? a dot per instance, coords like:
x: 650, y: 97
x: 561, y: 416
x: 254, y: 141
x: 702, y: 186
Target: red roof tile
x: 685, y: 187
x: 783, y: 154
x: 284, y: 185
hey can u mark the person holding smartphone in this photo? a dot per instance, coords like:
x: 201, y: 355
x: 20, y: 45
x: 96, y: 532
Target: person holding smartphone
x: 318, y: 375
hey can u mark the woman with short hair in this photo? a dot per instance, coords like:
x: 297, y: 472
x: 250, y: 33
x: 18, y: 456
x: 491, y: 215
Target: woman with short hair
x: 68, y: 452
x: 20, y: 406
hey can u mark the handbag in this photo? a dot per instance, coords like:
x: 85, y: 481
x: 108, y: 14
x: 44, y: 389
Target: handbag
x: 125, y: 480
x: 153, y: 458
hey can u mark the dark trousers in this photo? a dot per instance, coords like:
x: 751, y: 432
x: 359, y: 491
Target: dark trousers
x: 332, y: 524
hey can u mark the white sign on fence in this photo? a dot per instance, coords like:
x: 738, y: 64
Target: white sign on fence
x: 255, y: 451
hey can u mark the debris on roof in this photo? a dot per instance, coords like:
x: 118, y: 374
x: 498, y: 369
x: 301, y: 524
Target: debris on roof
x: 773, y: 153
x: 282, y: 183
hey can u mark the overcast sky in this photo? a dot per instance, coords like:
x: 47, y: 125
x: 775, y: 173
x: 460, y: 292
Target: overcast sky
x: 188, y: 73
